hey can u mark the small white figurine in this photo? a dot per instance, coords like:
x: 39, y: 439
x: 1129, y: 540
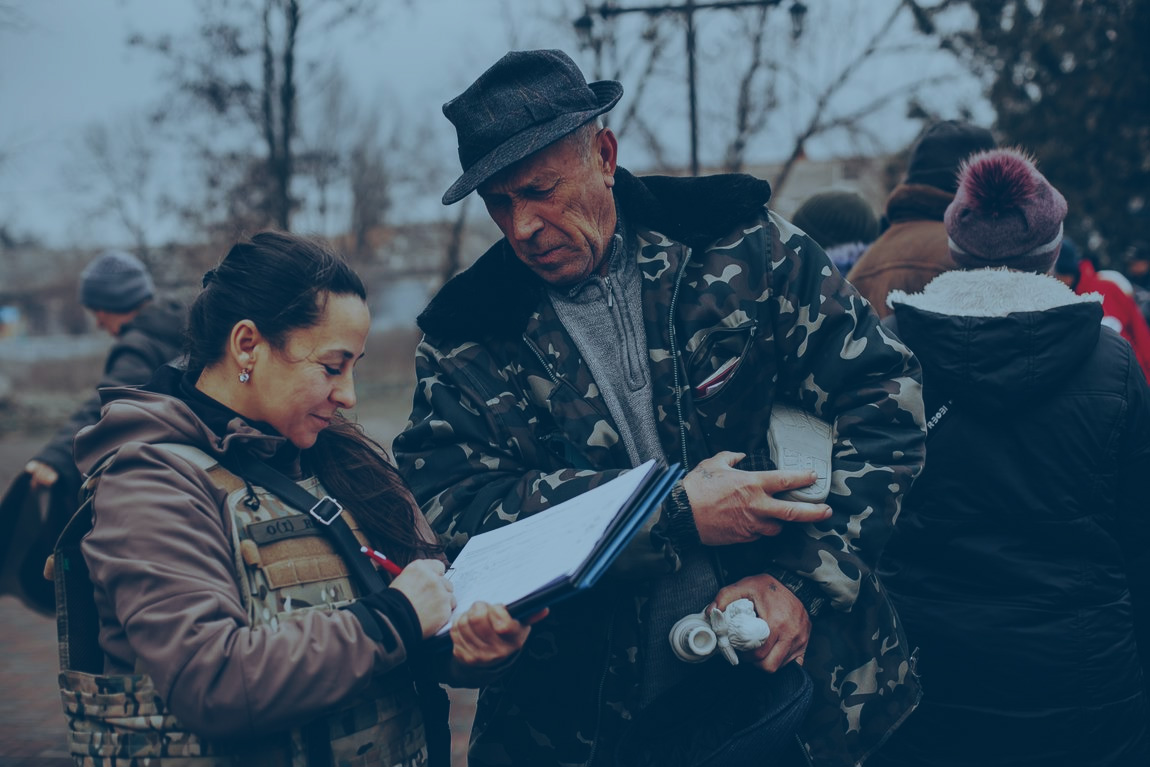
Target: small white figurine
x: 692, y: 638
x: 696, y: 637
x: 738, y: 628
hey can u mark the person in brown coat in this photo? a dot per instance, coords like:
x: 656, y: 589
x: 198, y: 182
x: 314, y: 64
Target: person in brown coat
x: 913, y: 249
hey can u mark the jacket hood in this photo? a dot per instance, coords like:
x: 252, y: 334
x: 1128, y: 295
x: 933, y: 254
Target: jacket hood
x: 997, y: 336
x: 917, y: 202
x: 162, y: 319
x: 137, y: 415
x: 494, y: 298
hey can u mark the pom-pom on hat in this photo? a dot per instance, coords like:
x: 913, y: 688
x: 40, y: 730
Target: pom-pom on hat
x: 115, y: 282
x: 1005, y: 213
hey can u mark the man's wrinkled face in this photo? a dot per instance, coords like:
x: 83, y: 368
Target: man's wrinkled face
x: 555, y: 207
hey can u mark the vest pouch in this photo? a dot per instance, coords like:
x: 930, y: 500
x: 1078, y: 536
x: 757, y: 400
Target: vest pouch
x: 282, y: 566
x: 386, y: 731
x: 120, y: 721
x: 288, y: 564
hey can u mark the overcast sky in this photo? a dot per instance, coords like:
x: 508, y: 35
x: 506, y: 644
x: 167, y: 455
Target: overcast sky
x: 65, y: 65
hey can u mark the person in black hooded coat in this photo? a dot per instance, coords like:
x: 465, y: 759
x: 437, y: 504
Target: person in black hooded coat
x: 1019, y: 563
x: 117, y: 290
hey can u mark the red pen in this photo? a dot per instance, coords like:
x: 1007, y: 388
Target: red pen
x: 381, y: 560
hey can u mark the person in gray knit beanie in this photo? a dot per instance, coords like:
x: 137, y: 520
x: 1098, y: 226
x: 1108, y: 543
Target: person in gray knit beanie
x: 115, y: 282
x: 148, y: 331
x: 1005, y: 213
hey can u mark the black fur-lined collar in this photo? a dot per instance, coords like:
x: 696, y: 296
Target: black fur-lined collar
x: 495, y: 296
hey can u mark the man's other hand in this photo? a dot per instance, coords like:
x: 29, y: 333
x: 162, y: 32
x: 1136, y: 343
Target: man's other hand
x: 735, y: 506
x: 487, y: 634
x: 784, y: 613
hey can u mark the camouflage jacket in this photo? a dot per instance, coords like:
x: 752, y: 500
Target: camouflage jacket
x: 506, y: 421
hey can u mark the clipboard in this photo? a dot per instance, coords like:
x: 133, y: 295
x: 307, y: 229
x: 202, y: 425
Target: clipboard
x: 561, y: 551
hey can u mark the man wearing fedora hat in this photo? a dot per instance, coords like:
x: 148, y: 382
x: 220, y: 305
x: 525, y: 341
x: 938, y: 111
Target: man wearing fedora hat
x: 622, y: 319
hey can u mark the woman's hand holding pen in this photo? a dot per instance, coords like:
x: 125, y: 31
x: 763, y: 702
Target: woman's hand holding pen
x: 483, y: 635
x: 423, y: 584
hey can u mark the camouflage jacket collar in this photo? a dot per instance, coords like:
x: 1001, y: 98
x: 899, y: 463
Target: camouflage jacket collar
x: 494, y: 298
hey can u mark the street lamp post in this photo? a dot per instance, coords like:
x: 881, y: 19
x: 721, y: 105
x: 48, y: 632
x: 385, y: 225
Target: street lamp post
x: 584, y: 28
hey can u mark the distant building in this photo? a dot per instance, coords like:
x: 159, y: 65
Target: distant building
x: 11, y: 321
x: 40, y: 284
x: 870, y: 177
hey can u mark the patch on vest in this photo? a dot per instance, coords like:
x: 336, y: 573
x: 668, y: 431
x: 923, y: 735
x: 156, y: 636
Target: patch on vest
x: 279, y: 529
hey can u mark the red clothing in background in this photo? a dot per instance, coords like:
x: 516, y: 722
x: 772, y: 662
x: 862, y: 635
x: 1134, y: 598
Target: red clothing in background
x: 1120, y: 312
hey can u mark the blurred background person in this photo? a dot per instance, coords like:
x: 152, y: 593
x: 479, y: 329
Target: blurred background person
x: 1019, y: 563
x: 912, y: 250
x: 842, y: 222
x: 1138, y: 272
x: 1120, y: 310
x: 118, y: 292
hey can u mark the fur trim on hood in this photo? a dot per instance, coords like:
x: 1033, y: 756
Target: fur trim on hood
x: 990, y: 293
x: 495, y: 296
x: 996, y: 338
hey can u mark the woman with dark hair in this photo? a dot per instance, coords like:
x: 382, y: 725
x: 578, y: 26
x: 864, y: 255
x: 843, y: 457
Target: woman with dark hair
x: 231, y: 625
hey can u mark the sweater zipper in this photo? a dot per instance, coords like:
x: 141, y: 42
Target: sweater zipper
x: 616, y: 243
x: 675, y: 358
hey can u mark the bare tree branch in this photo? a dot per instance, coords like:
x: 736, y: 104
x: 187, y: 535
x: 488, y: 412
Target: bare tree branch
x: 857, y: 115
x: 654, y: 50
x: 243, y: 61
x: 814, y: 124
x: 749, y: 118
x: 12, y: 18
x: 115, y: 170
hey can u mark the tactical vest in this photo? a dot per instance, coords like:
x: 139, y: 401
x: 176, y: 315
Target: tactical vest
x: 283, y: 567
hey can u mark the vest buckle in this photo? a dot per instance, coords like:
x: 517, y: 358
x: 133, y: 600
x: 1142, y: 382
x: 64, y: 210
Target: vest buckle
x: 327, y: 510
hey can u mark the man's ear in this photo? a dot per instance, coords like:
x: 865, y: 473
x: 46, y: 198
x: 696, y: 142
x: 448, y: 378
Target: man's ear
x: 243, y: 343
x: 606, y: 153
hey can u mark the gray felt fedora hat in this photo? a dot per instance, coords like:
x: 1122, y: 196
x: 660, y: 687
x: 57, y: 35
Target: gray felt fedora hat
x: 525, y: 101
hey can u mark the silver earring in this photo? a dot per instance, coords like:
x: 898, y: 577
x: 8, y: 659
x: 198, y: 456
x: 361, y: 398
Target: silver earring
x: 245, y: 375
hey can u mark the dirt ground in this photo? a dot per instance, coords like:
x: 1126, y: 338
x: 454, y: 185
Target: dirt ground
x: 31, y: 720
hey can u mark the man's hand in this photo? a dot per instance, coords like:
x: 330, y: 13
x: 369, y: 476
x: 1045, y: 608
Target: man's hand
x: 487, y: 634
x: 784, y: 613
x: 43, y: 475
x: 735, y: 506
